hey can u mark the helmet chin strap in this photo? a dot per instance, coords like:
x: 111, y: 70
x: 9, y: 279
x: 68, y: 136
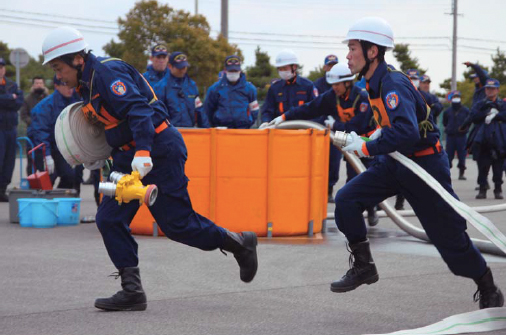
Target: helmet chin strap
x: 365, y: 69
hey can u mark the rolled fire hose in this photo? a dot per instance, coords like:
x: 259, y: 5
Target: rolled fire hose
x: 496, y: 245
x: 79, y: 140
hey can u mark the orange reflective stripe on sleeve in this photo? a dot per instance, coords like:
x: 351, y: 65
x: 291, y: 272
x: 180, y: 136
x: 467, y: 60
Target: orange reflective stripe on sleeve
x: 280, y: 107
x: 143, y: 153
x: 301, y: 102
x: 364, y: 149
x: 161, y: 127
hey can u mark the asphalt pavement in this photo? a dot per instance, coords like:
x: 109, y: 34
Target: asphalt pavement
x: 51, y: 277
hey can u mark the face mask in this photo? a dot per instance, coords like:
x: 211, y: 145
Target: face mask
x: 285, y: 75
x: 416, y: 82
x: 232, y: 76
x: 456, y: 100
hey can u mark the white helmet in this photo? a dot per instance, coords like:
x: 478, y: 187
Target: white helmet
x: 62, y: 41
x: 339, y: 73
x: 372, y: 29
x: 286, y: 57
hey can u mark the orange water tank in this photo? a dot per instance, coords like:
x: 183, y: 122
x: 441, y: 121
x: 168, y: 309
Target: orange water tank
x: 272, y: 182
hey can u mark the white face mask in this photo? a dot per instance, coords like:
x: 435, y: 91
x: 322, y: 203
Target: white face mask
x: 456, y: 100
x: 416, y: 82
x: 285, y: 75
x: 233, y: 76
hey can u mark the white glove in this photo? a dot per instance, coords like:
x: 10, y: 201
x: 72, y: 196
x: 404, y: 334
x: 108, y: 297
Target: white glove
x: 356, y: 145
x: 376, y: 134
x: 264, y: 125
x: 50, y: 164
x: 329, y: 122
x: 95, y: 164
x: 491, y: 115
x: 276, y: 121
x: 142, y: 164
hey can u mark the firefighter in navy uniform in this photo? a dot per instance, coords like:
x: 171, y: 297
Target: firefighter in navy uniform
x: 321, y: 83
x: 431, y: 99
x: 479, y: 77
x: 345, y: 108
x: 407, y: 127
x: 118, y: 96
x: 456, y: 142
x: 289, y: 91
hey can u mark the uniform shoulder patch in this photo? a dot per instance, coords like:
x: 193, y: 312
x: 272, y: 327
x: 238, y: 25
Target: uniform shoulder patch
x: 392, y: 100
x: 315, y: 92
x: 118, y: 87
x: 363, y: 107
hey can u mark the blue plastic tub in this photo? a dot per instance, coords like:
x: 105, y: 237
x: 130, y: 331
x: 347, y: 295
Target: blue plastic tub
x: 68, y: 211
x: 38, y: 213
x: 25, y: 211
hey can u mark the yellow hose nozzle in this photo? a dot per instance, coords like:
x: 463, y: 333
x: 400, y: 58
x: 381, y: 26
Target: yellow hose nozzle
x: 126, y: 188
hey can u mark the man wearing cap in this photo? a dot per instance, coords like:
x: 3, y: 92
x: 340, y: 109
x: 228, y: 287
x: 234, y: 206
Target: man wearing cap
x: 11, y: 99
x: 157, y: 72
x: 321, y: 84
x: 232, y: 101
x: 42, y: 130
x: 431, y: 99
x: 454, y: 117
x: 408, y: 128
x: 479, y: 77
x: 488, y: 142
x: 118, y: 97
x: 289, y: 90
x: 181, y: 96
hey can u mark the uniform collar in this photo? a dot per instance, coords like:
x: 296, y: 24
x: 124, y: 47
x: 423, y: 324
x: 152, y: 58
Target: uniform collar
x: 373, y: 85
x: 87, y: 72
x: 294, y: 80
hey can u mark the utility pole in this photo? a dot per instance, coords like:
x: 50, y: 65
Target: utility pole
x: 454, y: 42
x: 196, y: 7
x: 224, y: 25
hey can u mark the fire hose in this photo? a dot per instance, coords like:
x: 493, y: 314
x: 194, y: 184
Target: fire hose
x: 496, y: 243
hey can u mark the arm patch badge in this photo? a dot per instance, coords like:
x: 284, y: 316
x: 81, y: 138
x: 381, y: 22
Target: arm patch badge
x: 392, y: 100
x: 363, y: 107
x: 118, y: 88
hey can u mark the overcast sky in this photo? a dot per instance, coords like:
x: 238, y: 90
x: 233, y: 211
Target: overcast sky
x: 313, y: 29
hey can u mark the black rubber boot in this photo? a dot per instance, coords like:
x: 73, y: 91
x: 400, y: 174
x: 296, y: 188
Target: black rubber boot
x: 3, y: 196
x: 488, y: 294
x: 330, y: 198
x: 400, y: 200
x: 362, y: 269
x: 131, y: 297
x: 481, y: 194
x: 244, y: 247
x: 462, y: 174
x: 372, y: 216
x: 498, y: 192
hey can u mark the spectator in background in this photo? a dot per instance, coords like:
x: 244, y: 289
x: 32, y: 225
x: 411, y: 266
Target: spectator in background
x: 11, y: 99
x: 42, y: 130
x: 158, y: 71
x: 290, y: 90
x: 479, y: 77
x: 38, y: 91
x: 431, y: 99
x: 181, y: 96
x: 232, y: 101
x: 321, y: 84
x: 454, y: 117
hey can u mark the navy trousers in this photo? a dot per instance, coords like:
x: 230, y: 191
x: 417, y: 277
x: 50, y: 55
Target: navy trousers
x: 172, y: 210
x: 457, y: 144
x: 8, y: 149
x: 487, y: 160
x: 335, y: 157
x: 444, y: 227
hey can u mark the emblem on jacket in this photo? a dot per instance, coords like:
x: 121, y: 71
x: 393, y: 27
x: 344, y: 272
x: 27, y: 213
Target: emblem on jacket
x: 118, y: 88
x: 392, y: 100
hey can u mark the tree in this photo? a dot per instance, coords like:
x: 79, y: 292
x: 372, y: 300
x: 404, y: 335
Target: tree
x: 498, y: 69
x: 403, y: 56
x: 149, y: 23
x: 261, y: 74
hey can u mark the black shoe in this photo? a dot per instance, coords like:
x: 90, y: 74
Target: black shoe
x: 3, y: 197
x: 372, y: 216
x: 244, y: 248
x: 481, y: 194
x: 498, y: 194
x: 462, y: 175
x: 399, y: 202
x: 362, y: 269
x: 479, y: 187
x: 488, y: 294
x: 131, y: 297
x: 330, y: 198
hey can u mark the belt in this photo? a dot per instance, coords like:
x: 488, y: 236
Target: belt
x: 158, y: 129
x: 437, y: 148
